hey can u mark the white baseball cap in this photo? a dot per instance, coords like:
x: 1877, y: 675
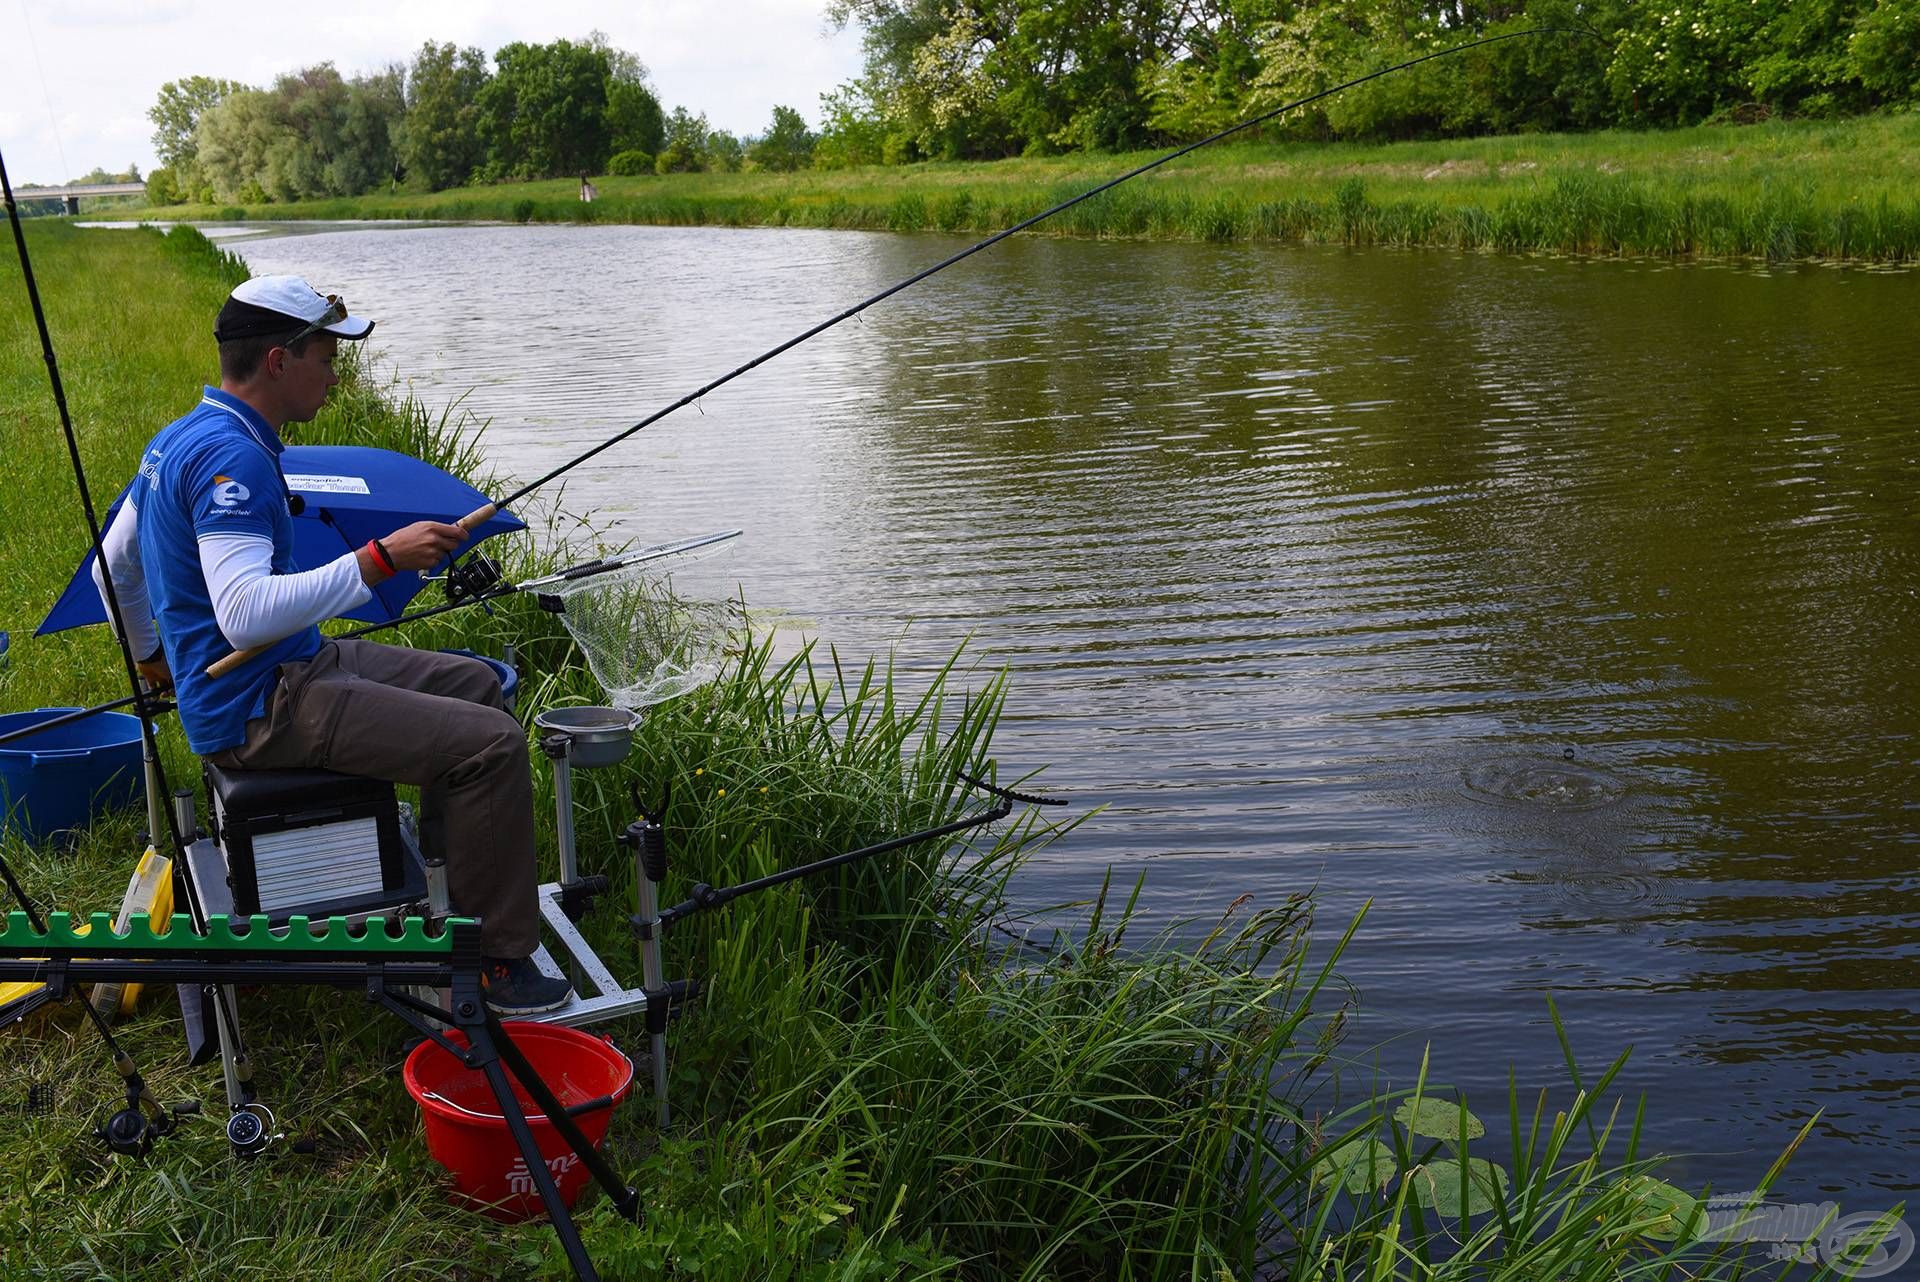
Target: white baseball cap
x: 269, y: 305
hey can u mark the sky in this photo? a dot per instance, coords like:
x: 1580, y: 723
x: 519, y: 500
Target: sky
x: 77, y: 76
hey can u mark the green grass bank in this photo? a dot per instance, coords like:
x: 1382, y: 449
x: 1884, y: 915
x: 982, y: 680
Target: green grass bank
x: 876, y: 1085
x: 1781, y: 191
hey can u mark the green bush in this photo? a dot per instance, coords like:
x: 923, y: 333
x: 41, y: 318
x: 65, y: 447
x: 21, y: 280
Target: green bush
x: 1881, y: 50
x: 523, y: 210
x: 628, y: 164
x: 161, y: 188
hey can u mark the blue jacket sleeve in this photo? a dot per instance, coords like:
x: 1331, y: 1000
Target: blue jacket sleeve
x: 231, y: 490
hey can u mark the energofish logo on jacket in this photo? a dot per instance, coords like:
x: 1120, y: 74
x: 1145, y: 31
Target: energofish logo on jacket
x: 229, y: 493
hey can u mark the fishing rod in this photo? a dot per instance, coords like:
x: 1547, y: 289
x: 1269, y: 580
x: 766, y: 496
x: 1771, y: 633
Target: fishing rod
x: 481, y: 515
x: 703, y: 897
x: 143, y: 701
x: 130, y: 1130
x: 478, y: 581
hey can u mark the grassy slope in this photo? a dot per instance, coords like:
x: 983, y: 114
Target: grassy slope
x: 866, y: 1090
x: 1844, y: 189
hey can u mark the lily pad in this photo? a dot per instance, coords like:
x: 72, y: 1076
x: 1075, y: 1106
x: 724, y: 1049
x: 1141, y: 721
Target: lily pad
x: 1436, y: 1119
x: 1679, y: 1212
x: 1437, y: 1185
x: 1359, y: 1164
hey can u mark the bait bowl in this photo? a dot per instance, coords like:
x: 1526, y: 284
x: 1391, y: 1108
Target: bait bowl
x: 601, y: 736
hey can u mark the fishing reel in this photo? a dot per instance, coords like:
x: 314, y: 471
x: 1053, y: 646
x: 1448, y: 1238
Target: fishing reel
x: 250, y: 1130
x: 132, y: 1130
x: 471, y: 578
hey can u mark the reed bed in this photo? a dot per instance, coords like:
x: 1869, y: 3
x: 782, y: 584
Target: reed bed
x: 1782, y: 191
x: 890, y: 1074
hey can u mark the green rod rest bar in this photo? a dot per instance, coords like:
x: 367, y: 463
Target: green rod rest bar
x: 249, y: 937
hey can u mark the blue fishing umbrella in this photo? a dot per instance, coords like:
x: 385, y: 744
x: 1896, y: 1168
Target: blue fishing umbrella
x: 348, y: 494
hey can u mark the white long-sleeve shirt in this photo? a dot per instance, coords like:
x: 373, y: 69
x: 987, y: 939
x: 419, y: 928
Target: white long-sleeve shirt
x: 252, y: 605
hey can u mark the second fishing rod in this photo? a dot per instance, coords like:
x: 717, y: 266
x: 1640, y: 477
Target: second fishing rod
x: 480, y: 515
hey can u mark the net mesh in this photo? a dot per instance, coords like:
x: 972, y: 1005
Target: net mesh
x: 646, y: 637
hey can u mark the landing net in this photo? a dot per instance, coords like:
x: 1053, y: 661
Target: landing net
x: 648, y: 635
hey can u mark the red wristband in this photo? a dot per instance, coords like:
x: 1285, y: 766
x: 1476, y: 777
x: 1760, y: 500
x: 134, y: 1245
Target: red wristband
x: 380, y: 557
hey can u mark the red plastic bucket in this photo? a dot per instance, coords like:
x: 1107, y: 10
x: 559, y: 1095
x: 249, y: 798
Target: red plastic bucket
x: 467, y: 1134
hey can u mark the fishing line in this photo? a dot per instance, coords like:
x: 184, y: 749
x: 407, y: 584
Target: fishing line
x: 475, y: 518
x: 53, y: 121
x: 140, y: 696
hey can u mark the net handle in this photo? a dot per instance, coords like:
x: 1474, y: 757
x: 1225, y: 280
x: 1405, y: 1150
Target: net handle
x: 591, y: 569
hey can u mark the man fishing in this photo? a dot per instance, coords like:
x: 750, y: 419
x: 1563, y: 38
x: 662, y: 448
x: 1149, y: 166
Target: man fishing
x: 203, y: 545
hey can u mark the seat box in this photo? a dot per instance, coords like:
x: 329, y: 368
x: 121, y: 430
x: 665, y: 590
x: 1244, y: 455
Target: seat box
x: 311, y: 842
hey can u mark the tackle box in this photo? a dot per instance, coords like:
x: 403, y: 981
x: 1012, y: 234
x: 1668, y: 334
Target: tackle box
x: 310, y: 841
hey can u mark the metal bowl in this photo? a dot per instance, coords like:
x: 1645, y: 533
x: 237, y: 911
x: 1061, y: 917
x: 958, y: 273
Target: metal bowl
x: 601, y: 736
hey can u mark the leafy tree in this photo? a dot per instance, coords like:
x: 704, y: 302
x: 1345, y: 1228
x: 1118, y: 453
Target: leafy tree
x: 1679, y: 62
x: 993, y: 77
x: 634, y: 117
x: 852, y: 131
x: 927, y: 74
x: 441, y: 145
x: 161, y: 188
x: 1801, y: 59
x: 371, y: 130
x: 307, y: 113
x: 1883, y: 51
x: 684, y: 149
x: 176, y: 117
x: 1318, y: 48
x: 787, y: 145
x: 725, y: 153
x: 544, y: 113
x: 233, y: 141
x: 1555, y: 83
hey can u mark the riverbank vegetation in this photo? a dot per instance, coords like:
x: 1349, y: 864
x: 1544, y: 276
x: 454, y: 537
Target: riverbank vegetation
x: 1845, y: 189
x: 879, y: 1081
x: 1042, y: 77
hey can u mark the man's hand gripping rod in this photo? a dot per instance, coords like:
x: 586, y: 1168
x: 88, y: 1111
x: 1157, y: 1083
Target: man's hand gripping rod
x: 584, y: 570
x: 220, y: 667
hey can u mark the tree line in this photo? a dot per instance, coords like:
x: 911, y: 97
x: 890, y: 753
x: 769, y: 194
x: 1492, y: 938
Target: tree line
x: 990, y: 78
x: 446, y: 119
x: 978, y: 79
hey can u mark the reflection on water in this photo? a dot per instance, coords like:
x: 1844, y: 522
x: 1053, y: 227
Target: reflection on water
x: 1296, y: 555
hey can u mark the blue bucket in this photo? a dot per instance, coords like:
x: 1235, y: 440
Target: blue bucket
x: 509, y: 679
x: 65, y: 776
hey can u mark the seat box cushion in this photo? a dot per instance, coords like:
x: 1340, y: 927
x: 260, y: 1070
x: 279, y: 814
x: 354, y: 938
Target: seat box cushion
x: 246, y: 793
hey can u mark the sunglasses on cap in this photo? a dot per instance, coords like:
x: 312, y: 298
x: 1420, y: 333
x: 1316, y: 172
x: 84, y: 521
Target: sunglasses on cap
x: 335, y: 313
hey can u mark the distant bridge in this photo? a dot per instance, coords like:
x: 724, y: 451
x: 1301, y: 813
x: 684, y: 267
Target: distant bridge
x: 72, y: 193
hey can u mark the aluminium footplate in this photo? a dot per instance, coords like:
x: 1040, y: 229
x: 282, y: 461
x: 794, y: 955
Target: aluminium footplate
x: 581, y: 965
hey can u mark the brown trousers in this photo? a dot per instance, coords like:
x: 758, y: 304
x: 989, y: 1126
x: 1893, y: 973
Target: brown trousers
x: 425, y: 718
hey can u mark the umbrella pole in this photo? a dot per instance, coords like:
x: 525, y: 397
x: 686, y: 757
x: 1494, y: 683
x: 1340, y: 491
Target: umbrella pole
x: 156, y: 803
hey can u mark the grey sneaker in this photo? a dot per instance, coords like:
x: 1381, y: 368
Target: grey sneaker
x: 515, y: 986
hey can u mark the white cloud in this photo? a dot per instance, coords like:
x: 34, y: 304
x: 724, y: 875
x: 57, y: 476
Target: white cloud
x: 105, y: 60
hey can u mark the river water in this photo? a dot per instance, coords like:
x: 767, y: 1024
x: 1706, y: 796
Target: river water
x: 1562, y: 610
